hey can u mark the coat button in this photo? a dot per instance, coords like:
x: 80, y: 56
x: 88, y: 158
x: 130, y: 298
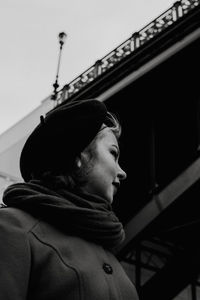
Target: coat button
x: 107, y: 268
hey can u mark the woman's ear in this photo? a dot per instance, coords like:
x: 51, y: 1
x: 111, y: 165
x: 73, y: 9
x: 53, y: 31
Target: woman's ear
x: 82, y: 159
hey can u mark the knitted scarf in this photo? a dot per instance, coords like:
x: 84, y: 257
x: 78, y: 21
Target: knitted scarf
x: 85, y: 215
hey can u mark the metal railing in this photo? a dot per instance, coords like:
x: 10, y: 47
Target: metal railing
x: 165, y: 20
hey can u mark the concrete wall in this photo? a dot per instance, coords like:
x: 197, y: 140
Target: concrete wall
x: 12, y: 141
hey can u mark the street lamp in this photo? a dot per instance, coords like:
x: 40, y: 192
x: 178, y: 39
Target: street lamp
x: 61, y: 37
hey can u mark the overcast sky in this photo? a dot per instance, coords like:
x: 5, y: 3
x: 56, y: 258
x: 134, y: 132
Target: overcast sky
x: 29, y: 44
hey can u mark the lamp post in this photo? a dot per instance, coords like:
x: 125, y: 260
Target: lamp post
x: 61, y: 37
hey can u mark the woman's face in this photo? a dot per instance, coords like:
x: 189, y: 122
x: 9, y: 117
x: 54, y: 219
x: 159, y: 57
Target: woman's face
x: 103, y: 175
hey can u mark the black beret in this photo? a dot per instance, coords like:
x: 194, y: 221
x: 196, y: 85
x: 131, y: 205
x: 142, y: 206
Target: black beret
x: 61, y: 135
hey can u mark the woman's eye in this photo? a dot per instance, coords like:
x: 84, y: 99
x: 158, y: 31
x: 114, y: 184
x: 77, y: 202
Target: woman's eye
x: 114, y: 153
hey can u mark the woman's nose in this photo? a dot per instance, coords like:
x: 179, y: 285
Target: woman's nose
x: 122, y: 174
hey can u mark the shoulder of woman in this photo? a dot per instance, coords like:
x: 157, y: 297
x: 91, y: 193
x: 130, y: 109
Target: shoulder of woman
x: 15, y: 254
x: 16, y: 219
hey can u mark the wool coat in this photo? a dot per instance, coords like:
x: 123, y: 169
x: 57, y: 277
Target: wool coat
x: 40, y: 262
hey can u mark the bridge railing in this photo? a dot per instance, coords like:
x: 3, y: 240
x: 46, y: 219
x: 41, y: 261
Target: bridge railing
x: 165, y: 20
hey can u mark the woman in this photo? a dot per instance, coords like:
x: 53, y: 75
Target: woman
x: 58, y: 231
